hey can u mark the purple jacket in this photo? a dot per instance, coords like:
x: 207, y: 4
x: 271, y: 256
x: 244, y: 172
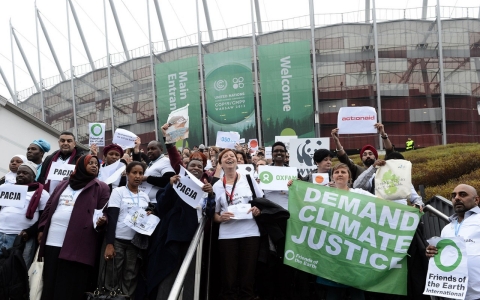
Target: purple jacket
x: 81, y: 239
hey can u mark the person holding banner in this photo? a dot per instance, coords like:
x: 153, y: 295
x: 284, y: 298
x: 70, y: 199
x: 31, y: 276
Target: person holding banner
x: 24, y: 220
x: 119, y: 247
x: 239, y: 239
x: 465, y: 223
x: 68, y: 241
x: 15, y: 162
x: 368, y: 153
x: 35, y: 152
x: 68, y: 153
x: 175, y: 232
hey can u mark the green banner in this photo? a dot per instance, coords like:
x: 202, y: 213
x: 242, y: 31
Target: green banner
x: 229, y: 93
x: 178, y: 85
x: 349, y: 238
x: 286, y: 83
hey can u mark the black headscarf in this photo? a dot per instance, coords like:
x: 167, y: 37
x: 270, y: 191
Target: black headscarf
x: 80, y: 178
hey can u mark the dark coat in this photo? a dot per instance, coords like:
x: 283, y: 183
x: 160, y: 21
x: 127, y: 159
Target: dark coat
x: 46, y: 163
x: 81, y: 239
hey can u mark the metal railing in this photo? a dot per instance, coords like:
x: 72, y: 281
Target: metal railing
x: 195, y: 245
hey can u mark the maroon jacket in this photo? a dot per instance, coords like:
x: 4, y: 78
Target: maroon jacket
x: 80, y: 244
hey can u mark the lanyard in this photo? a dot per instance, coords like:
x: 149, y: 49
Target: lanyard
x: 457, y: 227
x: 227, y: 194
x: 133, y: 200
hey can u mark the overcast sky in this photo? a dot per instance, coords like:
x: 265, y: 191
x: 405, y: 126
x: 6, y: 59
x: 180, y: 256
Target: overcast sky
x: 179, y: 18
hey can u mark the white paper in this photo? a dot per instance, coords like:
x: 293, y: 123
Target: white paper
x: 301, y: 153
x: 268, y: 152
x: 97, y: 214
x: 245, y: 169
x: 114, y: 177
x: 96, y: 134
x: 241, y: 141
x: 320, y: 178
x: 285, y: 139
x: 124, y: 138
x: 357, y: 119
x: 227, y: 139
x: 145, y: 187
x: 240, y: 211
x: 107, y: 171
x: 13, y: 195
x: 189, y: 188
x: 60, y: 170
x: 276, y: 178
x: 138, y: 220
x: 253, y: 145
x: 180, y: 124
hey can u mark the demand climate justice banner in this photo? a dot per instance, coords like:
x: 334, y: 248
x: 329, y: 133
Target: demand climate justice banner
x: 177, y: 86
x: 287, y: 101
x: 353, y: 239
x: 229, y: 93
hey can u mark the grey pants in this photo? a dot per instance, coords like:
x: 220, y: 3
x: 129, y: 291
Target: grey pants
x: 127, y: 265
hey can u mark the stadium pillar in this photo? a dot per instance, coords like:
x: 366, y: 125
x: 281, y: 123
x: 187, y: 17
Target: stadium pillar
x: 108, y: 66
x: 15, y: 99
x: 367, y: 11
x: 424, y: 9
x: 377, y: 72
x: 314, y: 65
x: 52, y: 50
x: 200, y: 67
x: 39, y: 64
x: 119, y: 28
x: 152, y: 68
x: 6, y: 83
x: 72, y: 75
x: 80, y: 31
x: 442, y: 79
x: 255, y: 72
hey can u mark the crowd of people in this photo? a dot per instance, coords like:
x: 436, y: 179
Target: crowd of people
x: 244, y: 257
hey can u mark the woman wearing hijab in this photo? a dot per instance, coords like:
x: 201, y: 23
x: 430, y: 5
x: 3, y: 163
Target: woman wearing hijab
x: 68, y: 240
x: 15, y: 162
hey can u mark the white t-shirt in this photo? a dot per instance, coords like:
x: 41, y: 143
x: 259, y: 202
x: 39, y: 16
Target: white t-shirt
x: 279, y: 197
x: 158, y: 169
x: 13, y: 219
x: 61, y: 217
x: 361, y: 191
x: 234, y: 229
x: 470, y: 231
x: 122, y: 198
x: 54, y: 183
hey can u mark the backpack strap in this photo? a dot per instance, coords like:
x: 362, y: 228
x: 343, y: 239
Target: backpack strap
x: 250, y: 183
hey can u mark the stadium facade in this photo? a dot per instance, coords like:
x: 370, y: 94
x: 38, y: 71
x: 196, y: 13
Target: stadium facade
x: 408, y: 73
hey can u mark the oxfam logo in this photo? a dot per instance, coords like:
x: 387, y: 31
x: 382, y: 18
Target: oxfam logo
x: 96, y: 129
x: 266, y: 177
x: 442, y: 245
x: 220, y: 85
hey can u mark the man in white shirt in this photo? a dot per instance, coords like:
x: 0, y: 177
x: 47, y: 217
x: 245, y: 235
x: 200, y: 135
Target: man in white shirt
x: 466, y: 224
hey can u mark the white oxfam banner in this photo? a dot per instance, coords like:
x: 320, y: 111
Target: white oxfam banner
x: 447, y: 271
x: 359, y: 119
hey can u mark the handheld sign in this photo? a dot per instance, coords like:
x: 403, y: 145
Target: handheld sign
x: 60, y: 170
x: 124, y: 138
x: 96, y: 134
x: 268, y: 152
x: 227, y: 139
x: 245, y: 169
x: 447, y: 274
x: 189, y: 188
x: 357, y: 119
x: 240, y: 211
x: 275, y: 178
x: 179, y: 125
x: 302, y: 151
x: 285, y: 139
x: 13, y: 195
x: 253, y: 145
x: 105, y: 172
x: 138, y: 219
x: 320, y: 178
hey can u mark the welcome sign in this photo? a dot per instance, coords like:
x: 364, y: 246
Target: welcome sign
x: 353, y: 239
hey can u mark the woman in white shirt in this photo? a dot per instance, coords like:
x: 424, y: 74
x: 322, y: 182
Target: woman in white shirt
x: 119, y: 247
x: 239, y: 239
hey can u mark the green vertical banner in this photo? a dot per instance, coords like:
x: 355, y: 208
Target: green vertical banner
x: 178, y: 85
x: 286, y: 84
x: 229, y: 93
x: 349, y: 238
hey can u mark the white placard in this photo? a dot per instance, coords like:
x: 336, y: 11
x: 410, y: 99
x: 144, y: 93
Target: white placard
x: 60, y: 170
x: 240, y: 211
x: 145, y: 187
x: 253, y: 145
x: 241, y: 141
x: 13, y: 195
x: 124, y: 138
x: 301, y: 153
x: 447, y: 274
x: 285, y: 139
x: 189, y: 188
x: 107, y: 171
x: 112, y: 174
x: 138, y: 219
x: 227, y: 139
x: 179, y: 125
x: 245, y: 169
x: 276, y: 178
x: 320, y: 178
x: 96, y: 134
x: 357, y: 119
x: 268, y: 152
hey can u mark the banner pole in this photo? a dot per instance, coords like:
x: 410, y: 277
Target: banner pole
x: 108, y: 67
x: 152, y: 71
x: 255, y: 72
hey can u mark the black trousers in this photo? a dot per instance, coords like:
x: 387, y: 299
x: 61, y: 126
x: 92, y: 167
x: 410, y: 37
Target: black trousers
x: 63, y: 279
x: 238, y: 259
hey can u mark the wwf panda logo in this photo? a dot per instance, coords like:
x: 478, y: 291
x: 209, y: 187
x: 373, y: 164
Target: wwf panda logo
x: 305, y: 152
